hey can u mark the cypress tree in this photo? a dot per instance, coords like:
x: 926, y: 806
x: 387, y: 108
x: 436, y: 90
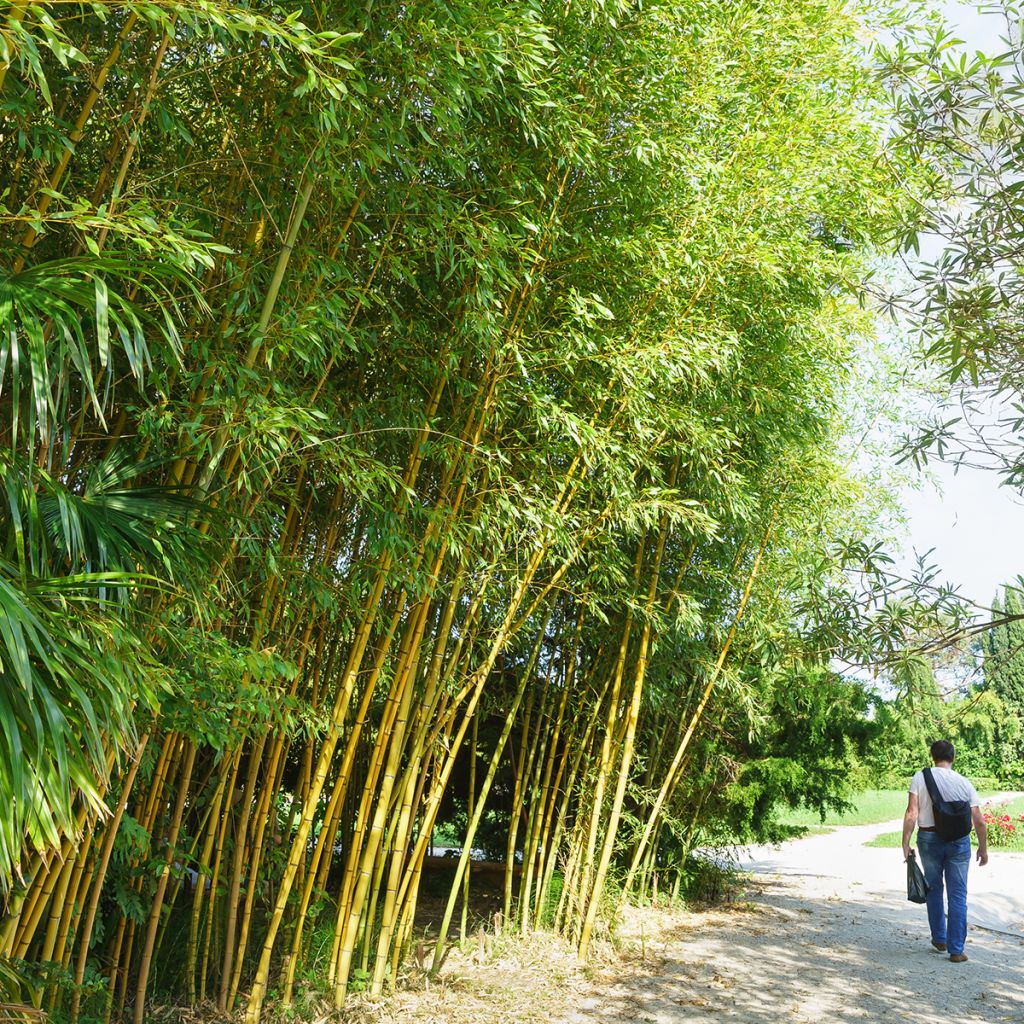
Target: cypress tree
x: 1004, y: 652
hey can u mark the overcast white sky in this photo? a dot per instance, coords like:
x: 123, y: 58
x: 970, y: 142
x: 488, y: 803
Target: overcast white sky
x: 975, y: 526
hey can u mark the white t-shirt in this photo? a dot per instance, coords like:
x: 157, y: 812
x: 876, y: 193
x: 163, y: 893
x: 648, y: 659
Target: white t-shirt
x: 951, y: 785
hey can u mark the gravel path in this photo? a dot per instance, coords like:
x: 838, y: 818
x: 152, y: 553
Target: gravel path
x: 826, y: 934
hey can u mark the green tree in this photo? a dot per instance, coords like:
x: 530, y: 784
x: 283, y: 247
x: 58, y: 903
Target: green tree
x: 1002, y: 665
x: 958, y: 116
x: 1003, y: 651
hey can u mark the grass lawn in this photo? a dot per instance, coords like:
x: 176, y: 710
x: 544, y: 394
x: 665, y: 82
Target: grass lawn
x: 1014, y: 808
x: 870, y: 807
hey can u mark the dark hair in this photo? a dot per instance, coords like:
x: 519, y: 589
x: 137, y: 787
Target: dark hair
x: 942, y: 750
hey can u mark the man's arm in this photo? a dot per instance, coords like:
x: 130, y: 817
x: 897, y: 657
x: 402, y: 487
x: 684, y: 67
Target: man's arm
x: 982, y: 829
x: 909, y: 821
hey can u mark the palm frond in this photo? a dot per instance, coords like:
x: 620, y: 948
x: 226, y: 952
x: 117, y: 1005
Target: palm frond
x: 15, y: 988
x: 75, y: 564
x: 68, y: 318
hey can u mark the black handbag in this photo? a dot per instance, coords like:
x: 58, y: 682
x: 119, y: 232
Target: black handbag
x: 952, y: 817
x: 917, y: 887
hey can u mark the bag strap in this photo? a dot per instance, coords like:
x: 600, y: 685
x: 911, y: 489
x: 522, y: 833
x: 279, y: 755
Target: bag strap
x: 933, y: 789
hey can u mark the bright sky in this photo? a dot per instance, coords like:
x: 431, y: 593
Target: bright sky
x: 975, y: 526
x: 980, y: 31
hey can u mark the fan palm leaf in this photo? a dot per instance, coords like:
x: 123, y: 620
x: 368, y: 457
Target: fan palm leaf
x: 74, y: 661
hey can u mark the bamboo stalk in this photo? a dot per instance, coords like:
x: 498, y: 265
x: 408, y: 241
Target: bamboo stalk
x: 470, y: 808
x: 204, y: 969
x: 237, y: 870
x: 110, y: 835
x: 626, y: 763
x: 671, y: 774
x: 485, y: 788
x: 213, y: 827
x: 139, y: 1014
x: 519, y: 769
x: 350, y: 923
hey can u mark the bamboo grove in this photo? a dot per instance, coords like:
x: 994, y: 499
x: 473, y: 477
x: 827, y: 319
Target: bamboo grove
x: 412, y: 413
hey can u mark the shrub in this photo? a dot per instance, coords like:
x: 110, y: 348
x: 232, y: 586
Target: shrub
x: 1002, y: 829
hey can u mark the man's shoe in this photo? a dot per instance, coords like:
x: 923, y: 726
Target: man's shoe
x: 940, y: 946
x: 958, y: 958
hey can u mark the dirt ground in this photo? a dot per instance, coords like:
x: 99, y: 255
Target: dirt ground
x: 802, y: 944
x: 791, y: 957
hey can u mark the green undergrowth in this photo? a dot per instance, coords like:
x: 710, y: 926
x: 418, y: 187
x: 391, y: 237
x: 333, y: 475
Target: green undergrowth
x: 708, y: 883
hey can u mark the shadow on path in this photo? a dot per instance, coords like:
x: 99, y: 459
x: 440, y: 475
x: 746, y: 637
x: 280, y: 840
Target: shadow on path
x: 802, y: 958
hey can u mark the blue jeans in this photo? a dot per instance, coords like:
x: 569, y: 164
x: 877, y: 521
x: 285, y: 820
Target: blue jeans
x: 946, y: 862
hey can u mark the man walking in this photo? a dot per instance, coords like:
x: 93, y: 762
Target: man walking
x: 945, y: 860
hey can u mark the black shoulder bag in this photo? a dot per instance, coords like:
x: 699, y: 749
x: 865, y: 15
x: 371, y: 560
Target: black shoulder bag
x: 952, y: 817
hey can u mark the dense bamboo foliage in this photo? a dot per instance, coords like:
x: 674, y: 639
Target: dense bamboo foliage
x: 412, y: 412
